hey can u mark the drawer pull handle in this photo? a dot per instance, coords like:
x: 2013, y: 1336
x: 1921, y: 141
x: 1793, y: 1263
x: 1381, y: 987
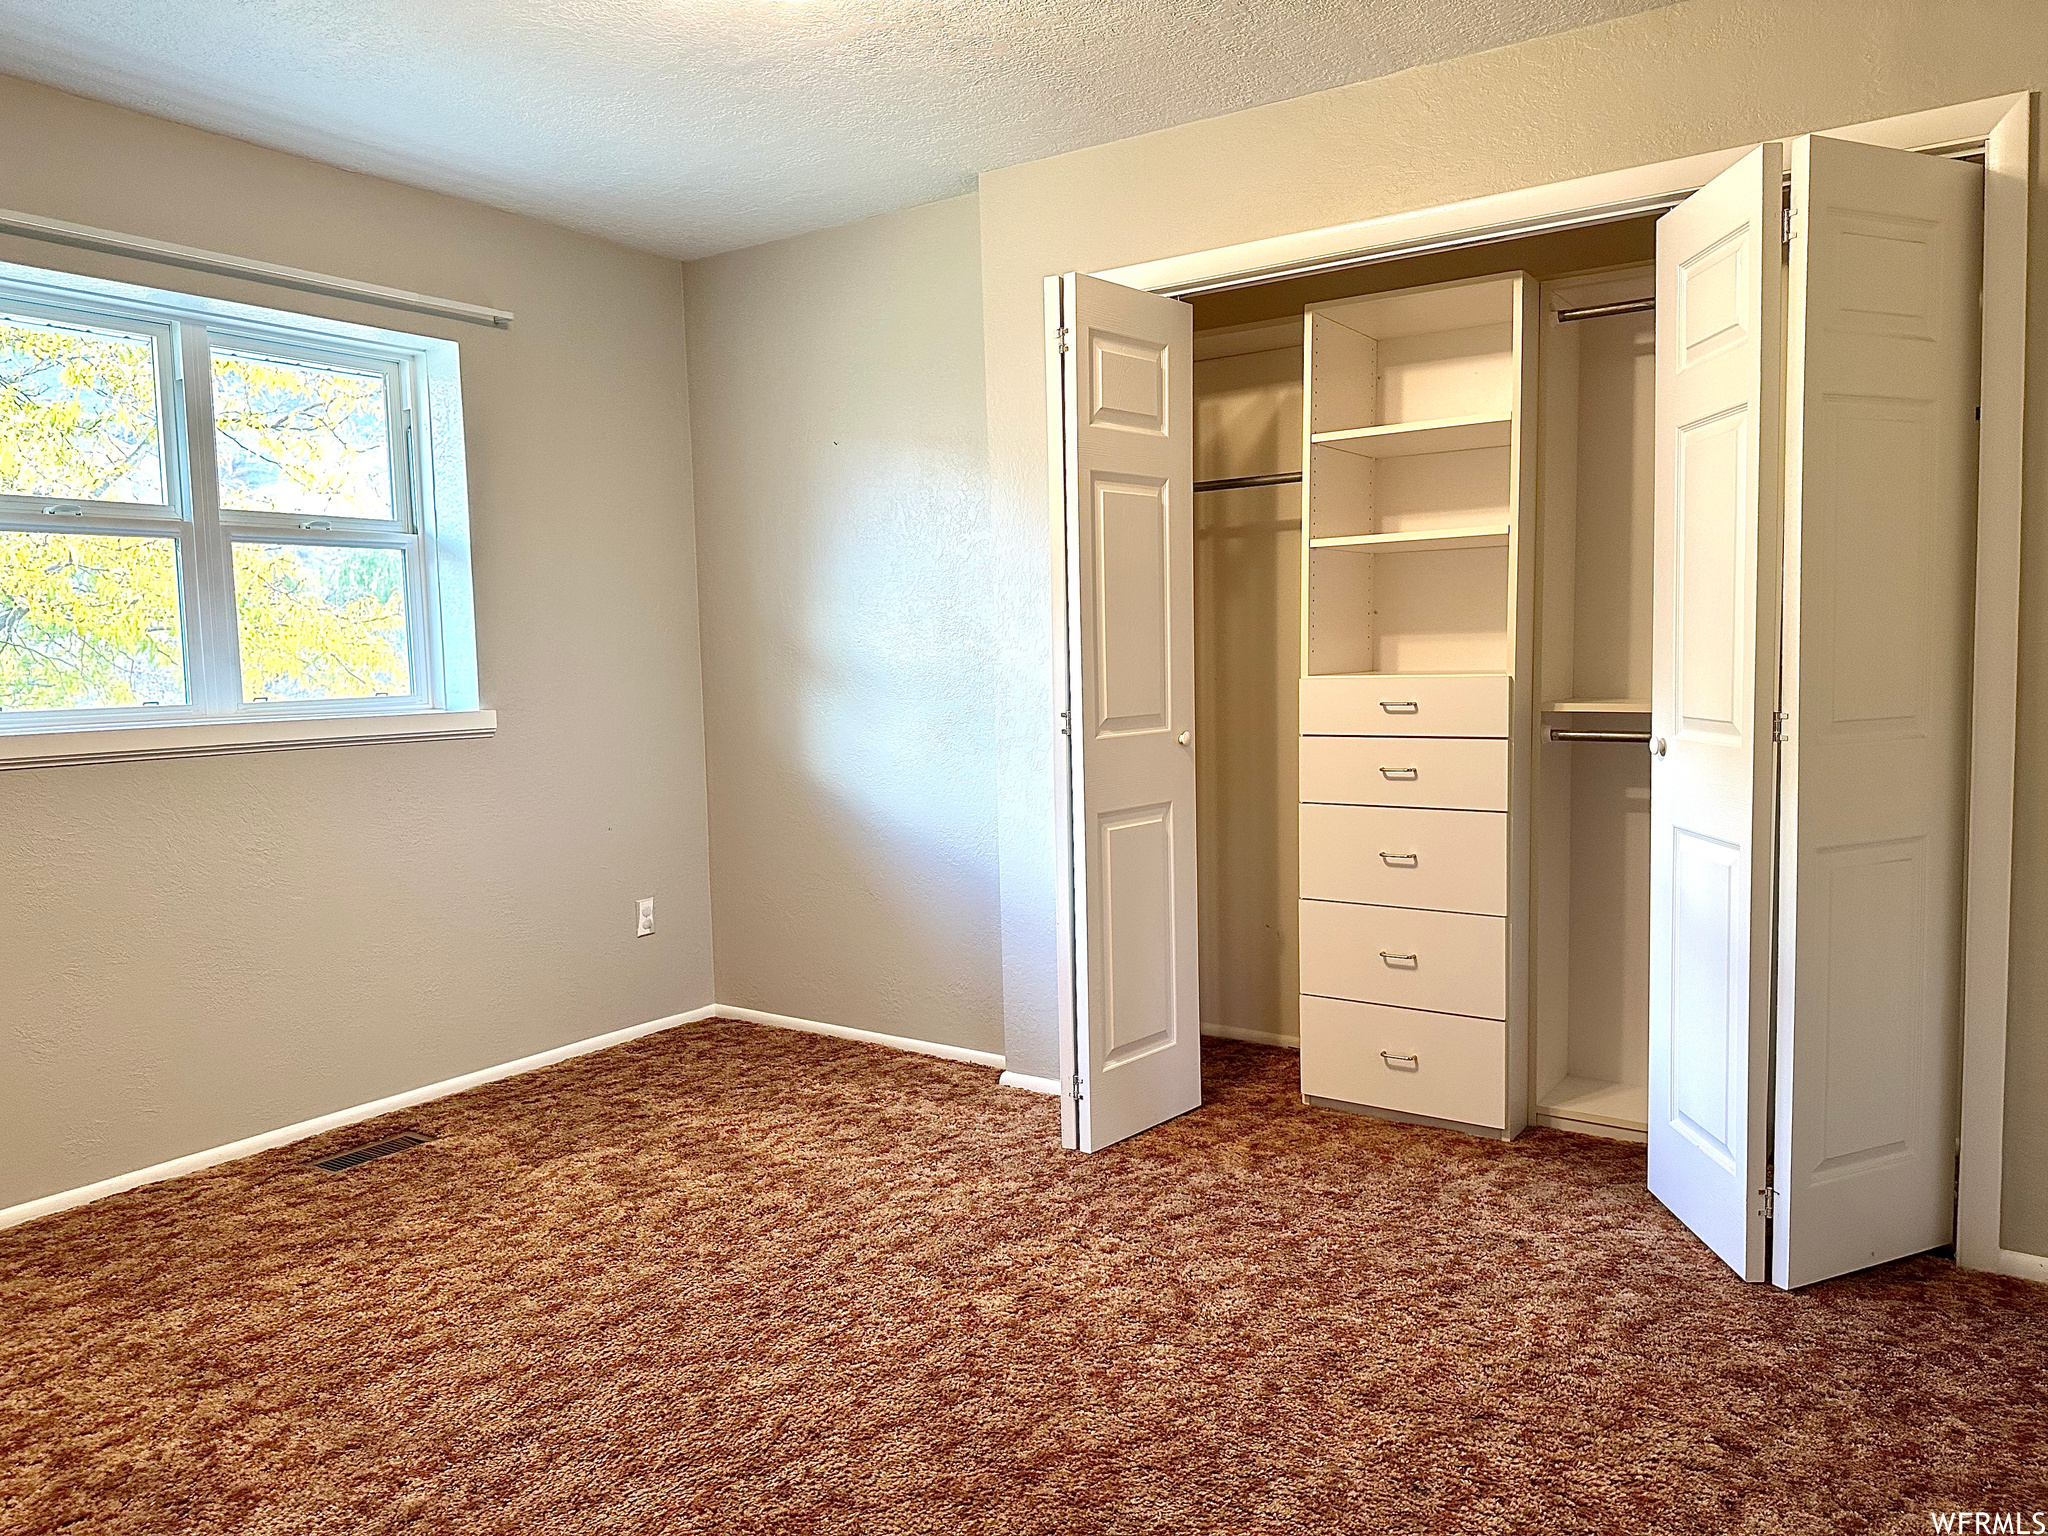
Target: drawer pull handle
x: 1393, y: 1059
x: 1400, y: 860
x: 1400, y: 773
x: 1400, y: 706
x: 1393, y: 959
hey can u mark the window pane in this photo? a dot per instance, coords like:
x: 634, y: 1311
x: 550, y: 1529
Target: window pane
x: 78, y: 413
x: 321, y: 622
x: 88, y: 621
x: 300, y: 439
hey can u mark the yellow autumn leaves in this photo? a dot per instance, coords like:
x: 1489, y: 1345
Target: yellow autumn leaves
x: 92, y: 619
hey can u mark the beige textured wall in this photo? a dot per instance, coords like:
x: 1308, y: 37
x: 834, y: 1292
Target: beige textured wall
x: 843, y: 537
x: 1705, y: 75
x: 194, y: 952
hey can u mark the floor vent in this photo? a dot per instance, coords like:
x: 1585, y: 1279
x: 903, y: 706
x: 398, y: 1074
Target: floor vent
x: 355, y: 1157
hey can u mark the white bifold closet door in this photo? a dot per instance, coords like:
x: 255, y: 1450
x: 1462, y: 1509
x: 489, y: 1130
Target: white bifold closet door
x: 1714, y: 684
x: 1880, y: 546
x: 1125, y: 365
x: 1813, y: 580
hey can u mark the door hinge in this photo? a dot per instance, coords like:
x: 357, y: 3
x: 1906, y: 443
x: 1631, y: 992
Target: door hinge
x: 1778, y: 719
x: 1785, y: 225
x: 1770, y: 1202
x: 1074, y: 1089
x: 1063, y: 337
x: 1064, y: 721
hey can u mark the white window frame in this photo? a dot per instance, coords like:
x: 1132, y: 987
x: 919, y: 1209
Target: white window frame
x: 429, y: 525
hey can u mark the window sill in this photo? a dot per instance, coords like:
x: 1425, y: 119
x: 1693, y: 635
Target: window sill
x: 218, y: 738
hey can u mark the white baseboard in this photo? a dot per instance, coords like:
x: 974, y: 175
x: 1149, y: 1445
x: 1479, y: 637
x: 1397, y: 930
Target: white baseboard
x: 2024, y: 1266
x: 869, y: 1036
x: 249, y: 1146
x: 1030, y: 1084
x: 1591, y: 1128
x: 1253, y: 1036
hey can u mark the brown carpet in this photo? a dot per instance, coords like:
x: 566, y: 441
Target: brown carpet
x: 735, y: 1279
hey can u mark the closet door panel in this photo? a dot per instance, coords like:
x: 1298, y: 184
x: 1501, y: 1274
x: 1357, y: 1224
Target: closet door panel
x: 1438, y: 1065
x: 1720, y: 336
x: 1881, y: 456
x: 1450, y: 861
x: 1126, y: 382
x: 1453, y: 774
x: 1377, y: 704
x: 1449, y: 962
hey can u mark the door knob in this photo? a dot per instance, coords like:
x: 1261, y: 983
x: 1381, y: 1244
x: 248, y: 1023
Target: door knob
x: 1186, y: 737
x: 1657, y: 746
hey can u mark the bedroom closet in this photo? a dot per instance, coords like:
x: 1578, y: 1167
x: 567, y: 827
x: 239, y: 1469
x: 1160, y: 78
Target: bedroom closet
x: 1409, y: 567
x: 1582, y: 739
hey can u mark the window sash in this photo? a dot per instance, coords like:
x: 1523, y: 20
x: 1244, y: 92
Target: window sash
x: 28, y: 720
x: 205, y: 534
x: 398, y: 434
x: 418, y: 651
x: 170, y: 436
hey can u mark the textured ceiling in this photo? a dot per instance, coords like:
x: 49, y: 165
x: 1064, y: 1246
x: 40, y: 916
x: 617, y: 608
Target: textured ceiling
x: 694, y: 126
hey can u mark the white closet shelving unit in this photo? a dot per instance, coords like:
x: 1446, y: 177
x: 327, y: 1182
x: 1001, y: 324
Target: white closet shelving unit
x: 1598, y: 707
x: 1415, y: 696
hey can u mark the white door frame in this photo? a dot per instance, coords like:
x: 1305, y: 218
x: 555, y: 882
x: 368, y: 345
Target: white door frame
x: 2003, y: 127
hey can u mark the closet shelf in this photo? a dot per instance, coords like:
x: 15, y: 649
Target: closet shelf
x: 1452, y: 434
x: 1598, y: 707
x: 1625, y: 1106
x: 1495, y: 537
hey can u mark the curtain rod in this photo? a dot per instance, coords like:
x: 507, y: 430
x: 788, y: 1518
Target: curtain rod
x: 85, y: 237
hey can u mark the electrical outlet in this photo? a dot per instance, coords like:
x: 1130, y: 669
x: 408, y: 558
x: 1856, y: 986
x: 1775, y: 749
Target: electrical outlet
x: 646, y: 917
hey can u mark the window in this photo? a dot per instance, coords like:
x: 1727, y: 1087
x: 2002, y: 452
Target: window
x: 215, y: 512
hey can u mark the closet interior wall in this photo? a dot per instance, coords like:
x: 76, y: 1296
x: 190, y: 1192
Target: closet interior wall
x: 1248, y: 393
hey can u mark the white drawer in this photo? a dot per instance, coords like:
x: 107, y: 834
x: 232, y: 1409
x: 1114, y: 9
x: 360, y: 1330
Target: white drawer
x: 1449, y: 962
x: 1453, y: 861
x: 1383, y: 704
x: 1461, y: 773
x: 1415, y: 1063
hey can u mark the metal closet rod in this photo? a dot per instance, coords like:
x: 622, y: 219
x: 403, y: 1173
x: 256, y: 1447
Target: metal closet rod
x: 1602, y: 311
x: 1246, y: 482
x: 1638, y: 738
